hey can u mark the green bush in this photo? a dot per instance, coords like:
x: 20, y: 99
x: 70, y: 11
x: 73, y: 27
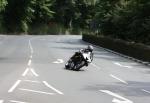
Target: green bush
x: 135, y: 50
x: 124, y: 19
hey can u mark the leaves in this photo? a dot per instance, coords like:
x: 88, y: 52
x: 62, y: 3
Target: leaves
x: 124, y: 19
x: 3, y: 3
x: 20, y: 13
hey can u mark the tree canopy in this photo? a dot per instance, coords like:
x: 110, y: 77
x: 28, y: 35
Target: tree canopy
x: 123, y: 19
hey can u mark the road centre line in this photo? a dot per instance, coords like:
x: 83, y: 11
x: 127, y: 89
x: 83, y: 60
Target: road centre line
x: 34, y: 73
x: 118, y: 79
x: 29, y: 62
x: 30, y: 46
x: 145, y: 91
x: 1, y: 101
x: 31, y: 81
x: 51, y: 87
x: 29, y: 90
x: 14, y: 86
x: 25, y: 72
x: 14, y: 101
x: 32, y: 70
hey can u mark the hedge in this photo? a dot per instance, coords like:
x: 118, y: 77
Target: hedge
x: 138, y: 51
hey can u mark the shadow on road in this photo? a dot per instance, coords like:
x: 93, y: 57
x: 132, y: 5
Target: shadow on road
x: 81, y: 70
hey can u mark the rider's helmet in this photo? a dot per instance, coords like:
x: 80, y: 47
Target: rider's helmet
x: 90, y: 48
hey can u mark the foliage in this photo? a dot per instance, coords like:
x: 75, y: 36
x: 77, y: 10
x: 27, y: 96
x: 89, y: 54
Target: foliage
x: 42, y: 10
x: 136, y: 50
x: 64, y: 12
x: 124, y: 19
x: 84, y: 14
x: 74, y: 13
x: 20, y: 13
x: 3, y: 3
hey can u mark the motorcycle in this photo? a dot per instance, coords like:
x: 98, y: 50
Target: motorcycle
x: 79, y: 60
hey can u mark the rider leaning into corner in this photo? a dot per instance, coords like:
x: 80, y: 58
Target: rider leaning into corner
x: 88, y: 50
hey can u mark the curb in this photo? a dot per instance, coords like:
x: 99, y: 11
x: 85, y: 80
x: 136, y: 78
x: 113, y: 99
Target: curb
x: 122, y: 55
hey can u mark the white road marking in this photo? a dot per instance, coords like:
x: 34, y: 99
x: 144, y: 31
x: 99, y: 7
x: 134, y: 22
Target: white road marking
x: 49, y: 86
x: 146, y: 91
x: 29, y: 62
x: 14, y: 101
x: 34, y: 73
x: 117, y: 96
x: 116, y: 63
x: 25, y: 72
x: 95, y: 66
x: 118, y: 79
x: 31, y: 57
x: 31, y: 81
x: 120, y: 101
x: 1, y: 101
x: 14, y: 86
x: 32, y: 70
x: 30, y: 47
x: 36, y: 91
x: 59, y: 61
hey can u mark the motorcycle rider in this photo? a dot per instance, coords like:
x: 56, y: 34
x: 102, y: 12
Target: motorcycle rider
x: 88, y: 50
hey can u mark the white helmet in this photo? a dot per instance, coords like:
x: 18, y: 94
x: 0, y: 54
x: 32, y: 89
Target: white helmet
x: 90, y: 47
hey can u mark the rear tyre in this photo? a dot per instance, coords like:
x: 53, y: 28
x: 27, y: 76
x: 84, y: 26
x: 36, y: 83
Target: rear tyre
x: 77, y: 67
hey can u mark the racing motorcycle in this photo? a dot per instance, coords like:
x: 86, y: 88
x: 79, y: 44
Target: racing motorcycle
x: 79, y: 60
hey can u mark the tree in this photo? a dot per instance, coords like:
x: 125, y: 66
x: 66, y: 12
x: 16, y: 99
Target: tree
x: 42, y: 11
x: 84, y: 14
x: 104, y: 15
x: 131, y: 20
x: 3, y: 3
x: 19, y: 13
x: 64, y: 12
x: 124, y: 19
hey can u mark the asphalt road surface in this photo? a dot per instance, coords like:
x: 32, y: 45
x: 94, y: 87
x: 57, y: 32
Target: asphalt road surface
x: 32, y: 71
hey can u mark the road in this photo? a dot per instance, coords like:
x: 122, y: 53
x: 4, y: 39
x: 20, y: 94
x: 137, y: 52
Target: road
x: 32, y: 71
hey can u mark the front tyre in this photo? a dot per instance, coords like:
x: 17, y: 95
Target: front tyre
x: 67, y: 65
